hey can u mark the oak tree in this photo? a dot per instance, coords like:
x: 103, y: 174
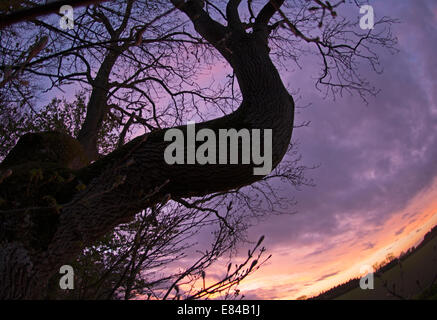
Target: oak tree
x: 59, y: 195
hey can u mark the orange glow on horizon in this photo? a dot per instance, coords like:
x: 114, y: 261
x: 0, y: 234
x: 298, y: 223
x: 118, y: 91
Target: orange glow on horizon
x: 293, y: 272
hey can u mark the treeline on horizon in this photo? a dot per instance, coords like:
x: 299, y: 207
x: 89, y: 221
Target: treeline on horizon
x: 384, y: 266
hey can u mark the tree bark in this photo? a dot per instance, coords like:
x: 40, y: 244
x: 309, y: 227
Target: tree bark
x: 136, y: 176
x: 97, y: 106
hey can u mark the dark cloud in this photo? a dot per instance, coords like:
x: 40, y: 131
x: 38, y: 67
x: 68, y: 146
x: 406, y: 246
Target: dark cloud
x: 400, y: 231
x: 323, y: 249
x: 309, y: 284
x: 406, y: 215
x: 252, y: 295
x: 315, y: 253
x: 326, y: 276
x: 272, y: 293
x: 369, y: 245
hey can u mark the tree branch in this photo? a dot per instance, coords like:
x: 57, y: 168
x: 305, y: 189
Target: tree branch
x: 268, y: 11
x: 211, y: 30
x: 232, y: 15
x: 50, y: 7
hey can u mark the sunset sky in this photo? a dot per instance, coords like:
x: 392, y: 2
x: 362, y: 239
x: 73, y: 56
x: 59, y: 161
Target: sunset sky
x: 376, y: 182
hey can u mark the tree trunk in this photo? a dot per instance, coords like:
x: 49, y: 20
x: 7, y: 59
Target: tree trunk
x: 97, y: 106
x: 136, y: 176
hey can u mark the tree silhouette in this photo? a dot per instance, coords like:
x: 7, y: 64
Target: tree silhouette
x: 54, y: 203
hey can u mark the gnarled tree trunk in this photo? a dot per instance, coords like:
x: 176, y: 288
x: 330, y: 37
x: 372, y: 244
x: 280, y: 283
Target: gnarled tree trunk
x: 136, y: 176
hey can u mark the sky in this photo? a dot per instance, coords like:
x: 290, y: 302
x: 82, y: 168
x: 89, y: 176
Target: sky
x: 376, y: 179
